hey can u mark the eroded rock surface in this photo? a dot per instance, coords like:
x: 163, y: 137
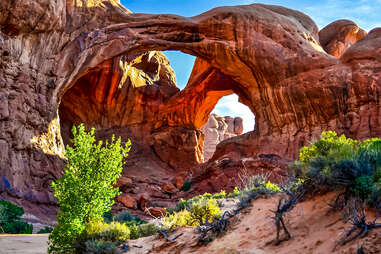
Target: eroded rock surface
x: 58, y: 52
x: 218, y: 129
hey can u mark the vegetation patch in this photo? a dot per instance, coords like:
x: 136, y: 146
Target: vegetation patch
x: 85, y: 191
x: 10, y: 221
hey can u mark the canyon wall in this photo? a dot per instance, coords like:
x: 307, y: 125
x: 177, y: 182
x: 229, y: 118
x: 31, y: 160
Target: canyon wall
x: 65, y: 62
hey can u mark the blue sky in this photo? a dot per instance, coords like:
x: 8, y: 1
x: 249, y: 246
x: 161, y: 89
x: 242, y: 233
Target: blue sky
x: 366, y: 13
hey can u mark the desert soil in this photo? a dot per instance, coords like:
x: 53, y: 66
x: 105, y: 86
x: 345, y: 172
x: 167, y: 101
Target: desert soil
x: 24, y: 244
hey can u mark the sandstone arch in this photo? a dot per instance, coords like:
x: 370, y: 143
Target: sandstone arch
x: 270, y: 56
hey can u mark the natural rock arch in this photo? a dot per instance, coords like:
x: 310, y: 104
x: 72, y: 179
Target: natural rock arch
x: 269, y: 55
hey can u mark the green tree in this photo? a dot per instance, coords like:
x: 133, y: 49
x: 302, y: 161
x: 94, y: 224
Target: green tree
x: 85, y: 191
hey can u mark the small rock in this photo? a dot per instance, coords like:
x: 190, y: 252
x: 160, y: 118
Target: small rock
x: 122, y: 181
x: 156, y: 212
x: 128, y: 201
x: 169, y: 188
x: 178, y: 181
x: 143, y: 201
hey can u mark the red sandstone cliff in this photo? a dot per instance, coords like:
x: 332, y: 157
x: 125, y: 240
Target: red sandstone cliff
x: 65, y: 62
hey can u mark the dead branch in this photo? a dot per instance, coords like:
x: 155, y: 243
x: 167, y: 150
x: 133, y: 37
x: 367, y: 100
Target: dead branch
x: 209, y: 231
x: 165, y: 235
x: 360, y: 226
x: 284, y: 206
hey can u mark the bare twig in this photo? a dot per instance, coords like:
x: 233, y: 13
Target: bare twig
x: 360, y: 226
x: 284, y: 206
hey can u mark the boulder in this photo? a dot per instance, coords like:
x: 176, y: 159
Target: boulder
x: 169, y: 188
x: 156, y: 212
x: 144, y: 201
x: 123, y: 181
x: 128, y: 201
x: 178, y: 181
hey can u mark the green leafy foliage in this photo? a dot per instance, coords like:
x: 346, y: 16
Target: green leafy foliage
x: 186, y: 186
x: 330, y: 146
x: 142, y: 230
x: 129, y: 219
x: 99, y: 246
x: 138, y: 227
x: 10, y: 222
x: 113, y: 232
x: 100, y: 237
x: 85, y: 191
x: 194, y: 213
x: 45, y: 230
x: 17, y: 227
x: 339, y: 162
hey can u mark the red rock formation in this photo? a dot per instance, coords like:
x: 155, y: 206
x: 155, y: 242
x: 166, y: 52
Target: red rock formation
x: 218, y: 129
x: 340, y: 35
x: 59, y: 50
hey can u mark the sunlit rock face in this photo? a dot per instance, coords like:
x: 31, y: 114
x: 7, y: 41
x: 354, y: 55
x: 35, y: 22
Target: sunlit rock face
x: 121, y: 92
x: 92, y: 62
x: 340, y: 35
x: 218, y: 129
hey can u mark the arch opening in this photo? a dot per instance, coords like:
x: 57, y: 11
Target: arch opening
x: 138, y: 98
x: 229, y: 119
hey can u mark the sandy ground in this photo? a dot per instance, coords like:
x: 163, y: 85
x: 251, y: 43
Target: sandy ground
x: 250, y: 232
x: 24, y: 244
x: 313, y: 232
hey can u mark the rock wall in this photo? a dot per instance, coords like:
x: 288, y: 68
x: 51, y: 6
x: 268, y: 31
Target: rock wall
x: 218, y: 129
x: 272, y: 57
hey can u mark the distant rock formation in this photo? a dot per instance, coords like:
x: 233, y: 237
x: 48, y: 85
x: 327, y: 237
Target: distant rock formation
x: 218, y: 129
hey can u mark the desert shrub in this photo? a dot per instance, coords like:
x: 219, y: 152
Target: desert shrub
x: 194, y: 213
x: 363, y: 187
x: 10, y: 221
x: 99, y: 236
x: 100, y: 246
x: 219, y: 195
x: 335, y: 162
x: 17, y: 227
x: 45, y: 230
x: 129, y: 219
x: 204, y: 211
x: 176, y: 219
x: 85, y: 191
x: 331, y: 146
x: 143, y: 230
x: 108, y: 217
x: 186, y: 186
x: 188, y: 204
x: 235, y: 193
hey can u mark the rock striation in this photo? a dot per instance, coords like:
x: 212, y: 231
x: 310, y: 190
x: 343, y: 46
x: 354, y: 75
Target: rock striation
x: 93, y: 61
x: 218, y: 129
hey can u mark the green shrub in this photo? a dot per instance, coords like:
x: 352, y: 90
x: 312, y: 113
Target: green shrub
x: 196, y: 213
x: 108, y: 217
x: 235, y: 193
x: 363, y: 187
x: 9, y: 211
x: 129, y: 219
x: 10, y: 222
x: 17, y: 227
x: 113, y: 233
x: 45, y: 230
x: 330, y: 145
x: 335, y: 162
x: 99, y: 246
x: 186, y: 186
x: 143, y: 230
x: 85, y: 191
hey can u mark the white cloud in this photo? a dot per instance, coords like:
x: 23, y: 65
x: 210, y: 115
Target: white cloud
x: 229, y: 106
